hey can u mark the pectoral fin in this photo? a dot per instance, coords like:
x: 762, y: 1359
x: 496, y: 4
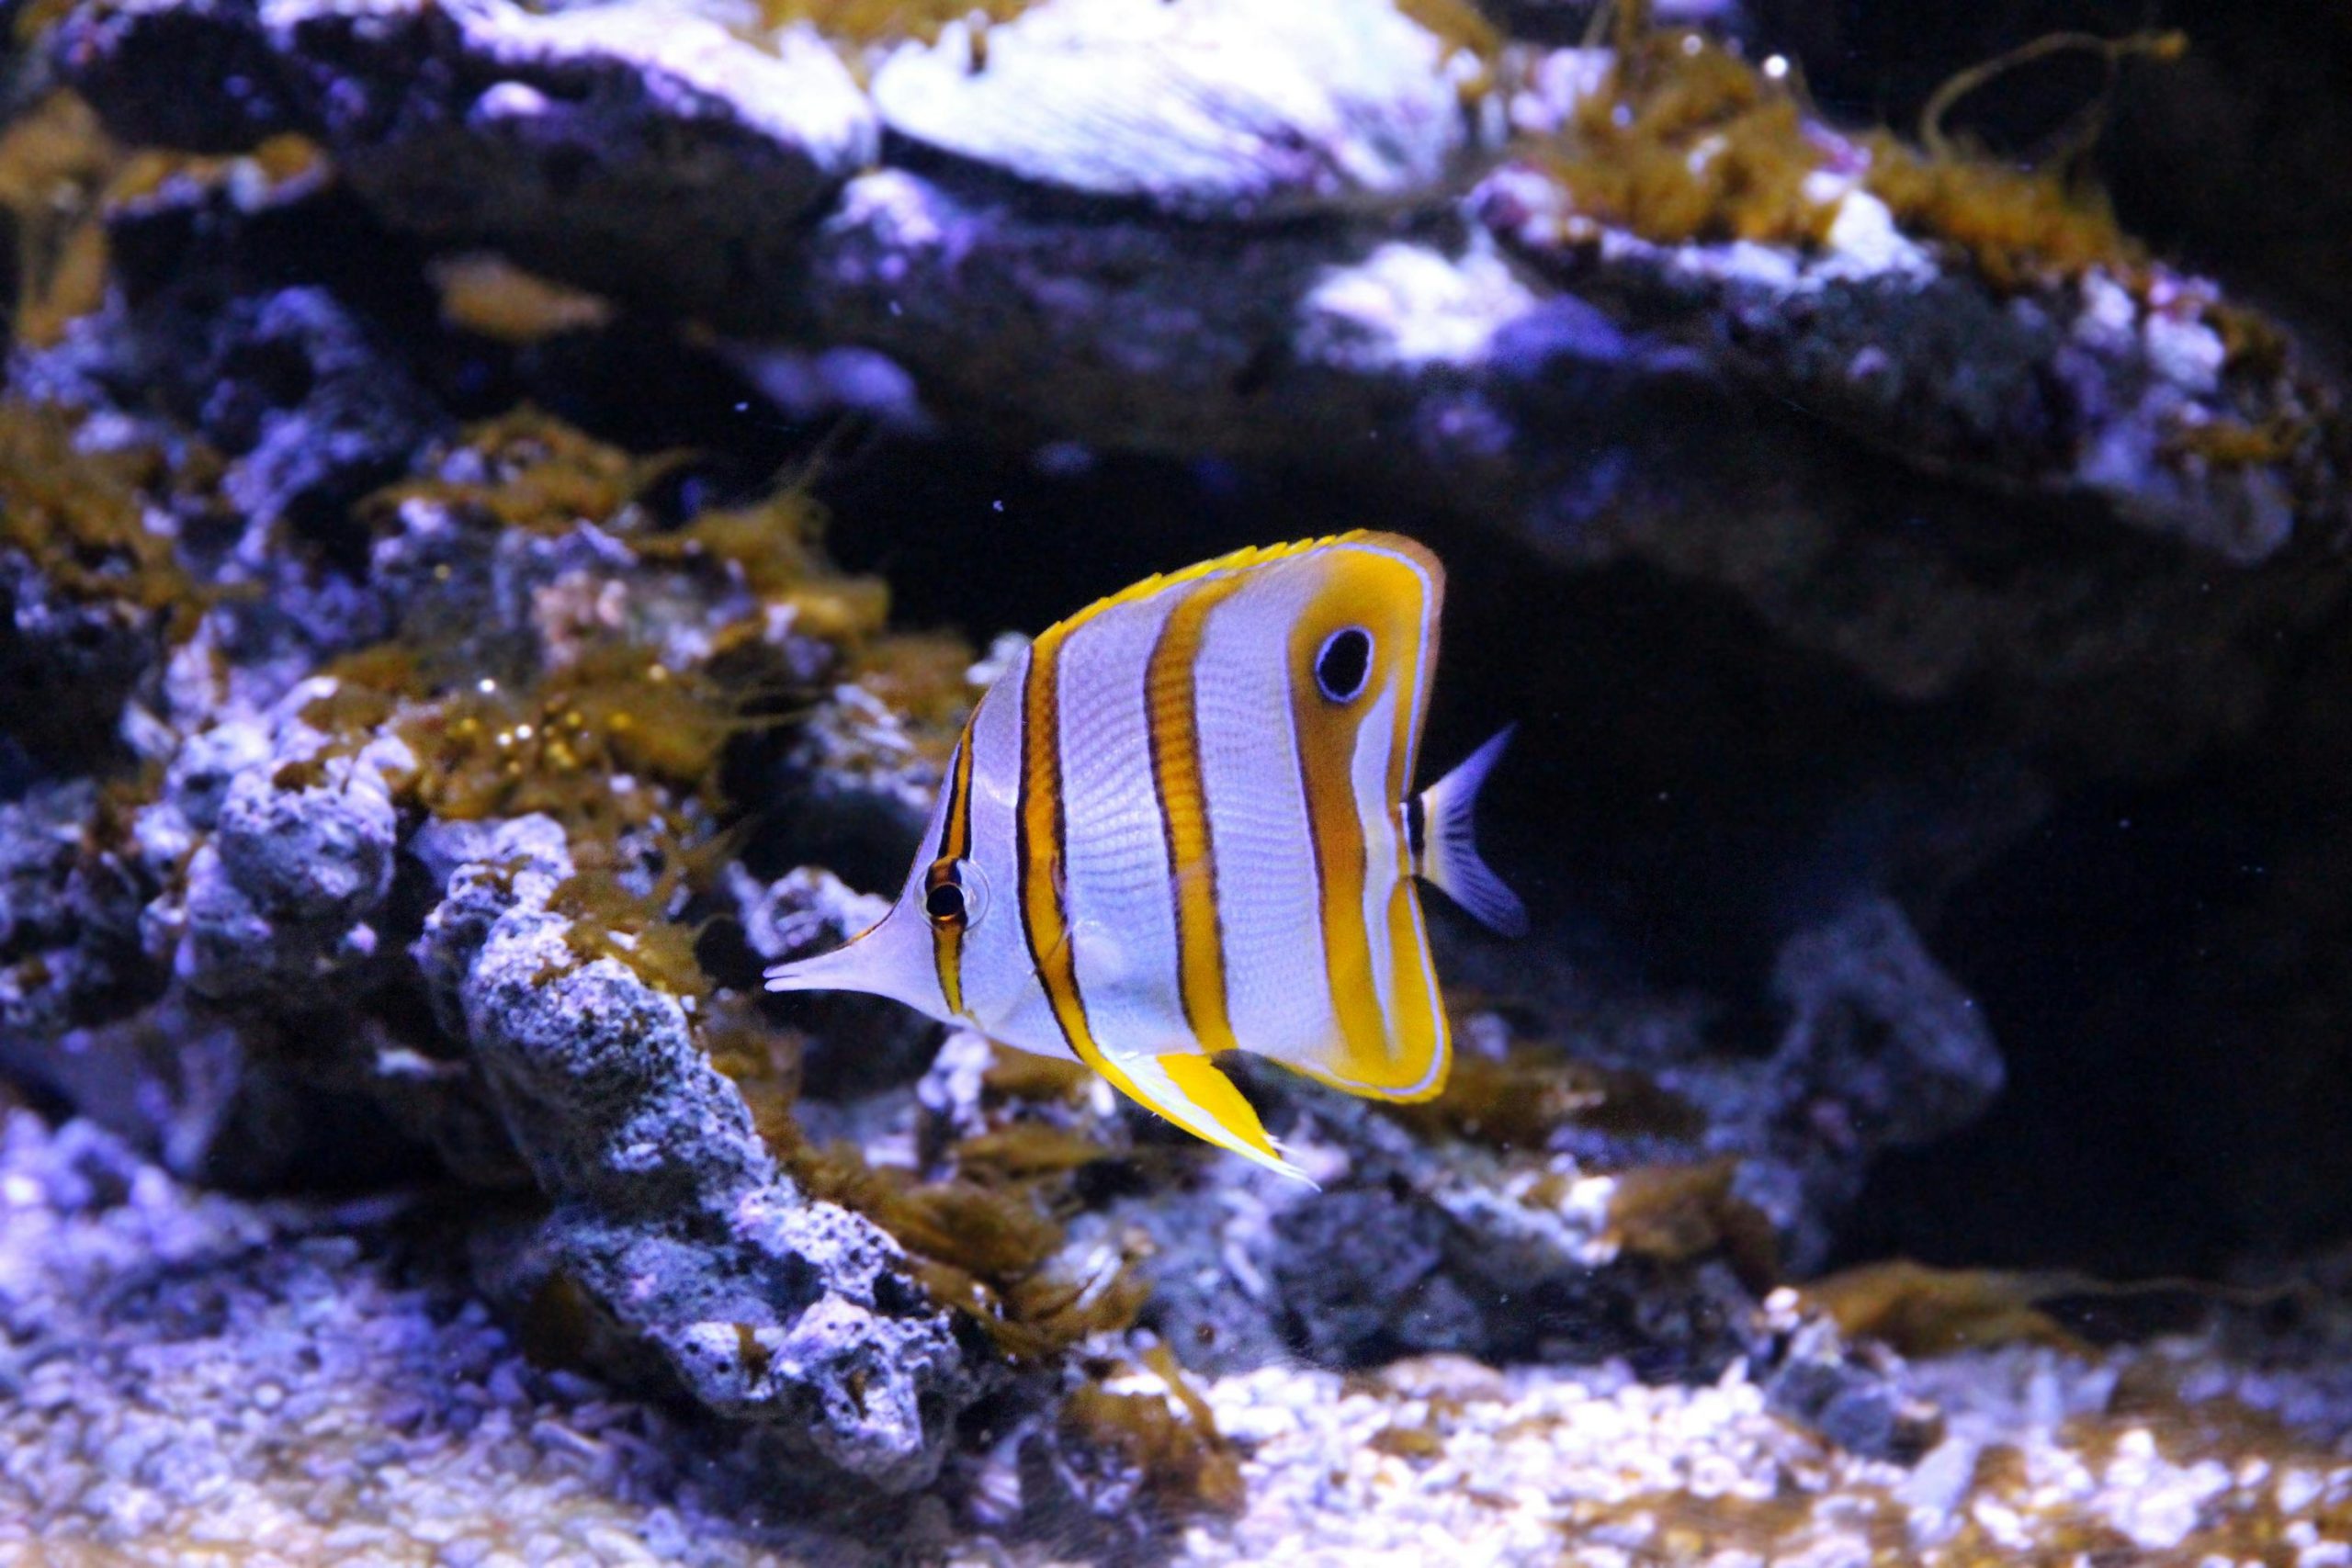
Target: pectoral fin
x: 1191, y: 1091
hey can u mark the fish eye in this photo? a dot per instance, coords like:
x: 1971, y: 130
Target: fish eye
x: 1343, y: 662
x: 955, y: 895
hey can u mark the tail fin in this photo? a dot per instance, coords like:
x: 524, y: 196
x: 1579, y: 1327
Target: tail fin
x: 1446, y: 853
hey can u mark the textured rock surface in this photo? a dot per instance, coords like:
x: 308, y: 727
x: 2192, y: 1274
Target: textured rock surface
x: 669, y: 1212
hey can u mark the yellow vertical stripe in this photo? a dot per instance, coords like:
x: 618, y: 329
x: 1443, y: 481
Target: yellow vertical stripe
x: 1040, y: 829
x: 955, y: 844
x: 1420, y: 1016
x: 1173, y: 717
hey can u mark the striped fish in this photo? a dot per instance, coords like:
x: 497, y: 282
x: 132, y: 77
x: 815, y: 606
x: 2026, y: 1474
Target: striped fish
x: 1181, y: 825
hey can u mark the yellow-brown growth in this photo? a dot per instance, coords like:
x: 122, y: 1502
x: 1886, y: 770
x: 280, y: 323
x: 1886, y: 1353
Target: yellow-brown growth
x: 634, y: 929
x: 485, y: 293
x: 868, y: 23
x: 54, y: 161
x: 1922, y: 1311
x: 60, y: 176
x: 986, y: 1244
x: 1676, y: 1212
x: 985, y: 1240
x: 1518, y: 1100
x: 1025, y: 1075
x: 2235, y: 444
x: 81, y: 516
x: 772, y: 545
x: 1171, y: 1441
x: 2017, y: 227
x: 539, y: 475
x: 1463, y: 32
x: 566, y: 745
x: 1684, y: 140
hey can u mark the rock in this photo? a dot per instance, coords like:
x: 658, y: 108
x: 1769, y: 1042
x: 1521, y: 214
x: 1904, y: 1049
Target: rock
x: 1358, y: 1275
x: 283, y: 892
x: 669, y: 1213
x: 69, y: 920
x: 1875, y: 1026
x: 489, y: 119
x: 90, y: 653
x: 1854, y: 1399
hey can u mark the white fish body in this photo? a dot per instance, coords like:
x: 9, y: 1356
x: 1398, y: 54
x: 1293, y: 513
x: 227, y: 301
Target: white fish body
x: 1179, y: 825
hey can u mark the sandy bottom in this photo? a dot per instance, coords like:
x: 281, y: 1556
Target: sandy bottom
x: 190, y: 1379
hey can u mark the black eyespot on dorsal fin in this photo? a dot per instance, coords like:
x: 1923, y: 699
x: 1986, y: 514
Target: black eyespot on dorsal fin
x: 1343, y: 663
x: 943, y: 898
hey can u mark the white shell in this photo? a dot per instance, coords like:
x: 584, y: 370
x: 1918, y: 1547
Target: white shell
x: 1205, y: 106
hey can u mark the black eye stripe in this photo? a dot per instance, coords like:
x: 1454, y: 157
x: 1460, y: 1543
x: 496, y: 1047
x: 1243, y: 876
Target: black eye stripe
x: 1343, y: 663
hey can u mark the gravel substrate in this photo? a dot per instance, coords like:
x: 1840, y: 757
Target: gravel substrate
x: 190, y: 1379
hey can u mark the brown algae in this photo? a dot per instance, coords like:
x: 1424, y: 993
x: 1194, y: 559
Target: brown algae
x: 1683, y: 140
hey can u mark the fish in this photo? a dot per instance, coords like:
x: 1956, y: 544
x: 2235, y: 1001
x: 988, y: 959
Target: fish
x: 1180, y: 824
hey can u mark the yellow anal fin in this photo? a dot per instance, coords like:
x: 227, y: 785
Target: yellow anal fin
x: 1191, y: 1091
